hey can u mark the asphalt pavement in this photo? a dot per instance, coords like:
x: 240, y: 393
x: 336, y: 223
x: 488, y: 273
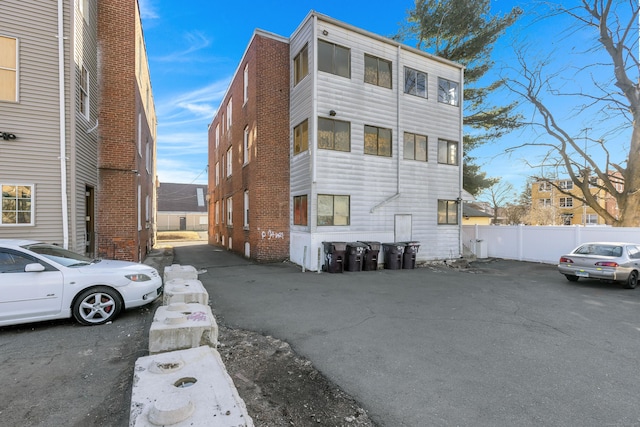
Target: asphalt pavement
x: 503, y: 343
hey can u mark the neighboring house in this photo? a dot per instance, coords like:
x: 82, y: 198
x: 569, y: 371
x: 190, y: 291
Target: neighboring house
x: 345, y: 136
x: 59, y: 131
x: 182, y: 207
x: 562, y: 199
x: 471, y: 215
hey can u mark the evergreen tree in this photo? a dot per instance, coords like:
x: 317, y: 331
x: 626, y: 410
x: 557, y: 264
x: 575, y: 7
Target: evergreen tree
x: 465, y: 32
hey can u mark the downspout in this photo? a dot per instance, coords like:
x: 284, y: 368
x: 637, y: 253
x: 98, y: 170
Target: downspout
x: 461, y: 160
x: 314, y: 103
x: 63, y: 134
x: 398, y: 117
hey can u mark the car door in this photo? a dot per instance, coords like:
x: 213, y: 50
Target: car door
x: 27, y: 295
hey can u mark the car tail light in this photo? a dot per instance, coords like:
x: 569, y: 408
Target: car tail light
x: 566, y: 260
x: 607, y: 264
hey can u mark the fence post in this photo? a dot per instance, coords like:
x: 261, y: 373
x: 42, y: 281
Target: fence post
x: 520, y: 242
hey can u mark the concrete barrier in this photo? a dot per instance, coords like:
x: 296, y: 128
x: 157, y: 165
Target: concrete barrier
x: 180, y: 326
x: 185, y: 388
x: 177, y: 271
x: 185, y: 290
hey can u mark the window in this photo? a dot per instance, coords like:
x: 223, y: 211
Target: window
x: 301, y: 65
x: 566, y: 202
x: 246, y: 84
x: 415, y: 147
x: 300, y: 210
x: 217, y: 213
x: 447, y: 152
x: 8, y: 69
x: 139, y: 207
x: 333, y: 210
x: 377, y: 141
x: 544, y: 186
x: 217, y: 134
x: 566, y: 219
x: 84, y: 92
x: 377, y: 71
x: 230, y: 211
x: 544, y: 202
x: 334, y: 134
x: 566, y: 185
x: 217, y: 173
x: 334, y: 59
x: 246, y: 209
x: 447, y: 92
x: 14, y: 262
x: 301, y: 137
x: 245, y: 146
x: 140, y: 134
x: 148, y: 158
x: 593, y: 181
x: 415, y: 82
x: 229, y: 161
x: 17, y: 205
x: 229, y: 113
x: 591, y: 219
x: 447, y: 212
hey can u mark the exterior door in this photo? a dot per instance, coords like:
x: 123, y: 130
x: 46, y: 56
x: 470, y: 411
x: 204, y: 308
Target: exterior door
x: 403, y: 228
x: 183, y: 223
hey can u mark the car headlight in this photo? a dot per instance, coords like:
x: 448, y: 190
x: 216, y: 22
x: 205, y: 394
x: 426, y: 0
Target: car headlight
x: 138, y: 277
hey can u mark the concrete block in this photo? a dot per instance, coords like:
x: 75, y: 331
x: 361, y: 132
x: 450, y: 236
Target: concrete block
x: 185, y: 290
x: 185, y: 388
x: 177, y: 271
x: 179, y: 326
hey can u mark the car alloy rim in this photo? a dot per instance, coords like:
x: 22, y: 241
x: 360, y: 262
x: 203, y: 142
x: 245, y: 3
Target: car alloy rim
x: 97, y: 307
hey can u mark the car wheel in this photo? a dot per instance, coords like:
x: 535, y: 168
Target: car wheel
x: 632, y: 280
x: 571, y: 277
x: 96, y: 306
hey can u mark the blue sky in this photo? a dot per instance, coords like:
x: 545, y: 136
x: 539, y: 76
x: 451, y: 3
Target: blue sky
x: 194, y: 49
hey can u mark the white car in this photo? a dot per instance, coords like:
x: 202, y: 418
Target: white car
x: 40, y: 282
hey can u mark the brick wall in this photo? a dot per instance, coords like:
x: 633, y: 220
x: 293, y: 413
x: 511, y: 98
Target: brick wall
x: 266, y: 176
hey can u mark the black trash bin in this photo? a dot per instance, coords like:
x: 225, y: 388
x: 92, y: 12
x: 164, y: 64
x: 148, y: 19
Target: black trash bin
x: 334, y: 256
x: 371, y: 253
x: 409, y: 255
x: 393, y: 255
x: 355, y: 256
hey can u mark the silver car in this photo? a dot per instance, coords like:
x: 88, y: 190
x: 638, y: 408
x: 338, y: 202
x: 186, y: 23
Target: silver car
x: 613, y: 261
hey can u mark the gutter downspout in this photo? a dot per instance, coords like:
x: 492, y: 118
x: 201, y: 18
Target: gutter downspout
x: 461, y: 154
x: 398, y: 114
x: 63, y: 131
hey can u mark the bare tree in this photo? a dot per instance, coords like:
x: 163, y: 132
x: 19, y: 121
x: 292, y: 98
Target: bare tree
x: 500, y: 194
x: 616, y: 92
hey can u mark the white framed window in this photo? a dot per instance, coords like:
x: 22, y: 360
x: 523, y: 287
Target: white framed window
x: 544, y: 186
x: 229, y: 161
x: 8, y: 69
x: 448, y: 92
x: 246, y: 84
x: 147, y: 209
x: 83, y: 105
x: 591, y: 219
x: 566, y: 202
x: 230, y: 211
x: 217, y: 134
x: 217, y: 213
x: 139, y: 207
x: 17, y: 204
x: 566, y: 184
x: 415, y: 82
x: 544, y: 202
x: 140, y: 134
x: 148, y: 157
x: 229, y: 113
x: 217, y: 179
x: 246, y: 209
x: 245, y: 146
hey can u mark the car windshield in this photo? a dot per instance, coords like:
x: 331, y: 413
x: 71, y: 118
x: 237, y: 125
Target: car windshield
x: 602, y: 250
x: 60, y: 255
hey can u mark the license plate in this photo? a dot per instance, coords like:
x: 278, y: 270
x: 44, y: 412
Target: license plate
x: 582, y: 274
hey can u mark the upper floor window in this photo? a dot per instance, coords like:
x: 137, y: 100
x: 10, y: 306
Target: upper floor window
x: 334, y: 59
x: 447, y: 152
x: 301, y: 137
x: 300, y: 210
x: 229, y: 113
x: 566, y: 202
x: 448, y: 92
x: 377, y: 141
x: 245, y: 146
x: 447, y: 212
x: 84, y: 92
x: 544, y: 186
x: 544, y: 202
x: 217, y: 179
x: 377, y: 71
x: 566, y: 185
x: 334, y: 134
x: 17, y: 205
x: 8, y: 69
x: 415, y: 82
x: 229, y: 161
x: 245, y: 95
x: 217, y: 134
x: 246, y: 210
x: 301, y: 65
x: 415, y: 147
x: 333, y: 210
x: 230, y: 211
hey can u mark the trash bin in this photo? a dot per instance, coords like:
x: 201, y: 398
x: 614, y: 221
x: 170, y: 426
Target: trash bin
x: 409, y: 255
x: 371, y: 252
x: 334, y: 256
x: 355, y: 256
x: 393, y: 255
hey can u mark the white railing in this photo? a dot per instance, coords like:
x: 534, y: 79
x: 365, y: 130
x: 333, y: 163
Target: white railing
x: 539, y: 243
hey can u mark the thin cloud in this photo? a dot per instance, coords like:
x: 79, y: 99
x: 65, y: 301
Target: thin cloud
x: 147, y: 10
x: 195, y: 105
x: 195, y: 40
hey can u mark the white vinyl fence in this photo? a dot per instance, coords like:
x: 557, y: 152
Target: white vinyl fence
x: 539, y: 243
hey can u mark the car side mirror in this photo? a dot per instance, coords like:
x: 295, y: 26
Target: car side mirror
x: 34, y: 268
